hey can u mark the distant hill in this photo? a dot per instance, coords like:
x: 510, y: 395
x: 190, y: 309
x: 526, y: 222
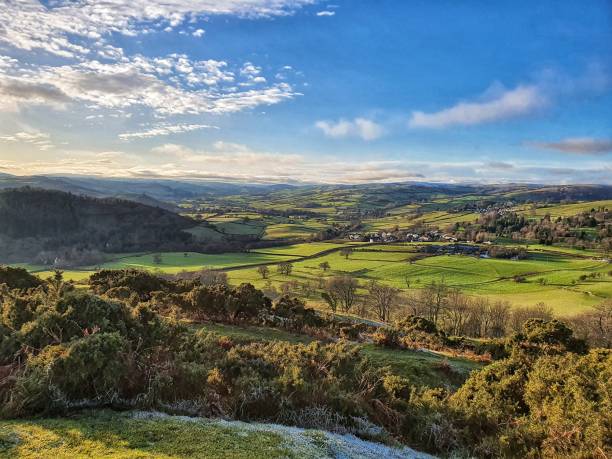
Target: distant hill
x: 148, y: 201
x: 35, y: 221
x: 160, y: 189
x: 367, y: 195
x: 561, y: 193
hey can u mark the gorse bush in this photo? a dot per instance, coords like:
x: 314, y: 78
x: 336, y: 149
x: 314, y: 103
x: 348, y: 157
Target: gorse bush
x: 18, y: 278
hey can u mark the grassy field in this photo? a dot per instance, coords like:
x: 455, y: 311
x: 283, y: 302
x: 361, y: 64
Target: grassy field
x: 297, y: 229
x: 551, y: 274
x: 174, y: 262
x: 302, y: 250
x: 396, y: 265
x: 566, y: 210
x: 111, y: 435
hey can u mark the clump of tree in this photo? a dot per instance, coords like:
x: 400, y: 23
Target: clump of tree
x: 340, y: 292
x: 284, y: 268
x: 382, y: 300
x: 263, y: 271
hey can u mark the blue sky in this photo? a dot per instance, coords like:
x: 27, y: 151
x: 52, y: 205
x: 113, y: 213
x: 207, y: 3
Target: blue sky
x: 303, y: 91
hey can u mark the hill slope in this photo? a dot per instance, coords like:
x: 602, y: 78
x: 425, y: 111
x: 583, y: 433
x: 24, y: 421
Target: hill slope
x: 35, y: 220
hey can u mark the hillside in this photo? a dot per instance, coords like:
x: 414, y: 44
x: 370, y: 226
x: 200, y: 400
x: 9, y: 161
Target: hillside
x: 35, y: 220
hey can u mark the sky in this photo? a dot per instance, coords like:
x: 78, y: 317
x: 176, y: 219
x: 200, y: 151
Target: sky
x: 304, y: 91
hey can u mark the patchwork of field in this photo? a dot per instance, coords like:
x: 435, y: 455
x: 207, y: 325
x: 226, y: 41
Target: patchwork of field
x: 566, y: 279
x: 565, y: 210
x: 567, y: 284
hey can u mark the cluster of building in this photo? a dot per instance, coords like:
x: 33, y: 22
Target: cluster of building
x: 427, y: 236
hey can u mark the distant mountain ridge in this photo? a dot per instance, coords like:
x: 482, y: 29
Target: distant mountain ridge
x: 173, y: 190
x: 159, y: 189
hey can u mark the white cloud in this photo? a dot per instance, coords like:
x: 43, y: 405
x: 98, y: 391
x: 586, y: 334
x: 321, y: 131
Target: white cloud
x: 326, y: 13
x: 61, y: 27
x: 359, y: 127
x: 169, y: 86
x: 577, y: 145
x: 40, y: 140
x: 520, y: 101
x: 198, y: 33
x: 164, y: 130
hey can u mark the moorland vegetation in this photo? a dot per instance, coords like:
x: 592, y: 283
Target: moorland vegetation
x: 136, y: 340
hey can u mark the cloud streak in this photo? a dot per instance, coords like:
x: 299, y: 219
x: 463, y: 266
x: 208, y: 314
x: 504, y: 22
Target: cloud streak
x: 520, y: 101
x: 237, y: 162
x: 577, y: 145
x: 41, y: 140
x: 164, y: 130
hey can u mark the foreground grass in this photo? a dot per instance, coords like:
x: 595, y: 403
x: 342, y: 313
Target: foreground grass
x: 110, y: 435
x: 107, y: 434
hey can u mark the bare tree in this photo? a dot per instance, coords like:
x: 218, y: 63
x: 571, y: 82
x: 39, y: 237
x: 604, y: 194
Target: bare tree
x: 324, y: 266
x: 457, y: 312
x: 414, y: 304
x: 382, y: 299
x: 341, y: 291
x: 263, y: 271
x: 346, y: 252
x: 212, y: 277
x: 595, y: 326
x: 521, y: 315
x: 499, y: 312
x: 434, y: 298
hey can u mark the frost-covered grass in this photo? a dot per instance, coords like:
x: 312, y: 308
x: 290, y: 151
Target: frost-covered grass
x: 155, y: 435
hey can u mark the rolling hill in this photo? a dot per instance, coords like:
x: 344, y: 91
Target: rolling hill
x: 35, y: 220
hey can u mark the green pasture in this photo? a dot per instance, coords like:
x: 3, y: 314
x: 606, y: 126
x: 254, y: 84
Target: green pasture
x: 174, y: 262
x: 205, y: 233
x: 301, y: 250
x: 442, y: 218
x: 297, y: 229
x: 566, y: 210
x: 561, y: 287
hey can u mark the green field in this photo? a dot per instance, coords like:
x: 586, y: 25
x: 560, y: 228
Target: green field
x: 297, y: 229
x: 174, y: 262
x: 566, y: 210
x: 302, y: 250
x: 552, y: 274
x: 563, y: 290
